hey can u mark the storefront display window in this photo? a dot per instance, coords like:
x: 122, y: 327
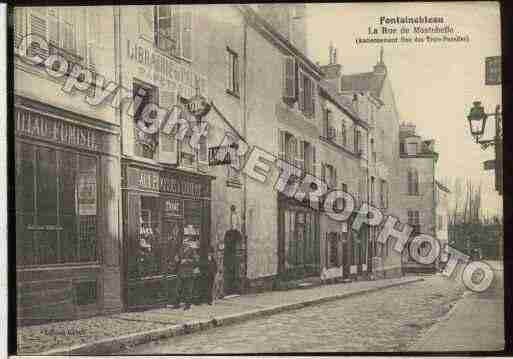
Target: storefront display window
x: 56, y: 206
x: 300, y: 240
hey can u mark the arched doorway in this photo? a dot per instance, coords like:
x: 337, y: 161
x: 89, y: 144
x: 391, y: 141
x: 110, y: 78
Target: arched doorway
x: 231, y: 262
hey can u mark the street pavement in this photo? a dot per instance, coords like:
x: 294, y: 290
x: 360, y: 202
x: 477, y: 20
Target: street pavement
x: 112, y: 333
x: 475, y: 324
x: 387, y: 320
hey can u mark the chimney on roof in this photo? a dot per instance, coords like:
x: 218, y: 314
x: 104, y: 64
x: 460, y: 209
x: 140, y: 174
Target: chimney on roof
x: 380, y: 68
x: 407, y: 129
x: 333, y: 70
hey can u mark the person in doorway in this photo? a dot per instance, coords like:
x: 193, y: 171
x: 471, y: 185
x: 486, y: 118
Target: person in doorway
x: 178, y: 285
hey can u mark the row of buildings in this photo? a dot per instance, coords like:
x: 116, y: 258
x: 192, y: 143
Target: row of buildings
x: 102, y: 208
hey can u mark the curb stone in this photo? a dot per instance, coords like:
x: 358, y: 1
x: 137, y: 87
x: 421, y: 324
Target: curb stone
x: 113, y: 345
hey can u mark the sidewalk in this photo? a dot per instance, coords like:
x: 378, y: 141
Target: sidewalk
x: 109, y: 334
x: 476, y: 323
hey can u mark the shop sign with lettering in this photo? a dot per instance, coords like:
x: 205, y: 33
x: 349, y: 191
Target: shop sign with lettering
x: 173, y: 208
x: 48, y: 128
x: 167, y: 182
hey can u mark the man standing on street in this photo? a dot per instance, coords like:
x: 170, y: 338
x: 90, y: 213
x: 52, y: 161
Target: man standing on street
x: 212, y: 272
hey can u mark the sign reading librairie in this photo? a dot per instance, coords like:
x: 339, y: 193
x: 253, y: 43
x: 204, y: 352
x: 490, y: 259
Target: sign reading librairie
x: 493, y: 75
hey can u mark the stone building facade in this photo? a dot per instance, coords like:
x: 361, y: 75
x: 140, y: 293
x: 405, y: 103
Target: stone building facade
x: 418, y: 188
x: 137, y: 198
x: 67, y: 158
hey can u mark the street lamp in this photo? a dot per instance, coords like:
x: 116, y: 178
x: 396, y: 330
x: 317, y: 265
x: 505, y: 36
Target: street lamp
x: 477, y: 120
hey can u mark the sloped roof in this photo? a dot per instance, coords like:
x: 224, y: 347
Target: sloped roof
x: 363, y: 82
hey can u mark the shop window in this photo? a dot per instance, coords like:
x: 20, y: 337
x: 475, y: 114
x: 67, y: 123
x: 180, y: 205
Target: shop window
x: 300, y: 239
x: 233, y: 73
x: 148, y: 247
x: 56, y: 206
x: 145, y: 143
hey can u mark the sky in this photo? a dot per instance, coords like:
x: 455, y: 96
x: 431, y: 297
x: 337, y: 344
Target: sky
x: 434, y: 83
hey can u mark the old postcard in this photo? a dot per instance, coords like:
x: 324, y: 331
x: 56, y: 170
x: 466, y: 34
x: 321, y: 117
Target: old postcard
x: 258, y: 178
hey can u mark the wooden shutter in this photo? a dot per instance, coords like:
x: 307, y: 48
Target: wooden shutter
x: 146, y: 19
x: 288, y: 77
x: 301, y: 99
x: 81, y: 29
x: 175, y: 29
x: 313, y: 95
x: 187, y: 32
x: 19, y: 25
x: 229, y: 71
x: 327, y: 250
x: 168, y: 149
x: 68, y: 29
x: 282, y: 144
x: 302, y: 154
x: 314, y: 160
x: 323, y: 172
x: 38, y: 25
x: 53, y: 27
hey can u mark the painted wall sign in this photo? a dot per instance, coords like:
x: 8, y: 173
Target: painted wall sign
x: 164, y: 69
x: 48, y: 128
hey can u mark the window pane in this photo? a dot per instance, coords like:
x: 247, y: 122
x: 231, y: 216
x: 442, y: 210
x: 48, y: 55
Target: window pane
x: 46, y: 186
x: 87, y: 206
x: 24, y: 177
x: 148, y: 253
x: 24, y: 240
x: 68, y: 235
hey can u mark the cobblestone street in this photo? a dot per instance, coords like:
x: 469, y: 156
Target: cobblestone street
x: 386, y: 320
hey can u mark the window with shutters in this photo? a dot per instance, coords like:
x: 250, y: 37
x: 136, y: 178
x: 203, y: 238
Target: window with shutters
x: 56, y: 206
x: 307, y: 94
x: 233, y: 73
x: 289, y: 78
x: 172, y: 29
x: 70, y: 31
x: 145, y: 143
x: 413, y: 182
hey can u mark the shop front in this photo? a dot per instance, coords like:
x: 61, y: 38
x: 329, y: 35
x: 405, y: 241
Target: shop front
x: 67, y: 188
x: 167, y: 213
x: 299, y: 244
